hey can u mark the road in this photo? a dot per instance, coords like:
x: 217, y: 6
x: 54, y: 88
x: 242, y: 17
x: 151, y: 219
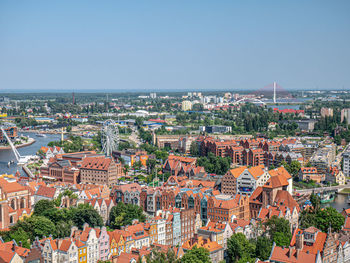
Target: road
x: 322, y: 189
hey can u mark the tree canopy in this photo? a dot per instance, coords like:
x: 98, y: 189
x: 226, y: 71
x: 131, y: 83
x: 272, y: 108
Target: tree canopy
x: 123, y: 214
x: 239, y: 248
x: 48, y: 219
x: 279, y: 230
x: 196, y: 255
x: 215, y: 164
x: 323, y: 219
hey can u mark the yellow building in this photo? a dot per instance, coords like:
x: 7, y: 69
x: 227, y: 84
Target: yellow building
x: 82, y: 251
x: 128, y: 241
x: 113, y: 243
x: 120, y: 243
x: 151, y: 229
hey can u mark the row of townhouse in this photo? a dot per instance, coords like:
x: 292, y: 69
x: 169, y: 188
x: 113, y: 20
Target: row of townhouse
x: 255, y: 151
x: 93, y: 244
x: 182, y: 166
x: 332, y: 175
x: 312, y: 245
x: 203, y: 200
x: 220, y: 232
x: 98, y: 197
x: 83, y: 246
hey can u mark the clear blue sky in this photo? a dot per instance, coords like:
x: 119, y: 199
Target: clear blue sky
x: 174, y: 45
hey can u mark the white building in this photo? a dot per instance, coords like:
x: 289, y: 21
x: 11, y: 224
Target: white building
x: 186, y: 105
x: 161, y: 230
x: 346, y: 162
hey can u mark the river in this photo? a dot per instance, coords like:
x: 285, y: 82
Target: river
x: 7, y: 155
x: 340, y: 202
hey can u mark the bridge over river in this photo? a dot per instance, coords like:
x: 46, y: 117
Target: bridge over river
x: 322, y: 189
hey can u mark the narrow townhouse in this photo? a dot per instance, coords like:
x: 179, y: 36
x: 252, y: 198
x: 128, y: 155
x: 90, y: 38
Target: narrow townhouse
x: 103, y: 241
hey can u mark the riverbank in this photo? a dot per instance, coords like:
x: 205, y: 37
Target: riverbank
x: 345, y: 191
x: 7, y: 155
x: 43, y: 132
x: 30, y: 142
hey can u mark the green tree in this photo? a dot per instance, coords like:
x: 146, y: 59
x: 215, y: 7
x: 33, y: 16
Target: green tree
x: 126, y: 168
x: 279, y: 230
x: 36, y: 226
x: 315, y: 201
x: 263, y: 248
x: 160, y: 257
x: 123, y: 214
x: 194, y: 150
x: 196, y: 255
x: 294, y: 168
x: 20, y: 236
x: 329, y: 217
x: 86, y: 214
x: 239, y: 247
x: 42, y: 205
x: 151, y: 165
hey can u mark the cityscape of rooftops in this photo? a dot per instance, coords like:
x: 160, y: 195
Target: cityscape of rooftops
x: 174, y: 131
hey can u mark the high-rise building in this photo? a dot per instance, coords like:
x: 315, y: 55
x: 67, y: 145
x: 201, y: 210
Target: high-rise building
x: 186, y: 105
x: 153, y: 95
x: 346, y: 162
x: 345, y: 114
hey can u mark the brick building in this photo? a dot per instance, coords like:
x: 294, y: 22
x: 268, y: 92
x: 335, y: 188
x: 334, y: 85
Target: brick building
x: 187, y: 217
x: 102, y: 170
x: 253, y: 157
x: 15, y: 202
x: 223, y: 207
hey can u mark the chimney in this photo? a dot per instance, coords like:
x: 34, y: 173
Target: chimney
x: 13, y: 247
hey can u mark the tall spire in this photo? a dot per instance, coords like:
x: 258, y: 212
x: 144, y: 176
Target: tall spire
x: 274, y: 91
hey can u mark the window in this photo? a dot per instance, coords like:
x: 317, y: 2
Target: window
x: 13, y: 204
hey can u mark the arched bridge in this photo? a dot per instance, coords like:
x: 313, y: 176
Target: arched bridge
x: 253, y: 100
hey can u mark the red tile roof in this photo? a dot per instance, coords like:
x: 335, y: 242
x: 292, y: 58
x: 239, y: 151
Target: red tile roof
x: 286, y: 255
x: 46, y: 191
x: 318, y: 245
x: 96, y: 163
x: 10, y: 187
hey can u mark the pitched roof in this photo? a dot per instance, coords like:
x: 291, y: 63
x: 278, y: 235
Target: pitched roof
x: 280, y: 171
x: 6, y: 256
x: 65, y: 245
x: 206, y: 243
x: 10, y: 187
x: 276, y: 181
x: 286, y: 255
x: 311, y: 248
x: 284, y: 198
x: 96, y: 163
x: 46, y: 191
